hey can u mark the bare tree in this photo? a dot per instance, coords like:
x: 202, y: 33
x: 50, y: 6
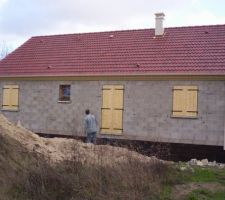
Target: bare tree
x: 4, y: 50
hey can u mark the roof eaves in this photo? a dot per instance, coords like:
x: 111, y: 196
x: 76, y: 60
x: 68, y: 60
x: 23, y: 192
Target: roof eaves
x: 118, y: 74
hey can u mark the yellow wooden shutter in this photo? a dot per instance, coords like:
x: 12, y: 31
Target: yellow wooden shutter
x: 192, y: 99
x: 15, y: 96
x: 117, y: 115
x: 6, y: 97
x: 107, y: 108
x: 112, y: 109
x: 185, y: 101
x: 178, y: 101
x: 10, y: 97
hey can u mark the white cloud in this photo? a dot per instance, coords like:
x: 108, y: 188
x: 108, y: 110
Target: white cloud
x: 24, y: 16
x: 204, y: 17
x: 21, y: 19
x: 3, y: 1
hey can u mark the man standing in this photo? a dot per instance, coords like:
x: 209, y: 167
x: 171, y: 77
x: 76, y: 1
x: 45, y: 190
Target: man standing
x: 90, y: 126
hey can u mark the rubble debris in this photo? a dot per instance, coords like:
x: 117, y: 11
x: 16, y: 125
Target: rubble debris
x: 205, y: 163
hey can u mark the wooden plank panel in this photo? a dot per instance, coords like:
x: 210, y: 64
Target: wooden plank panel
x: 117, y: 114
x: 178, y: 87
x: 14, y: 86
x: 117, y: 99
x: 106, y: 87
x: 14, y: 97
x: 118, y: 87
x: 186, y: 100
x: 10, y: 97
x: 107, y: 98
x: 117, y: 125
x: 106, y: 125
x: 192, y: 88
x: 178, y: 101
x: 6, y: 98
x: 112, y: 109
x: 106, y: 119
x: 192, y: 99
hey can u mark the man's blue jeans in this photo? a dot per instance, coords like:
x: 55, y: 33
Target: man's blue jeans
x: 91, y: 137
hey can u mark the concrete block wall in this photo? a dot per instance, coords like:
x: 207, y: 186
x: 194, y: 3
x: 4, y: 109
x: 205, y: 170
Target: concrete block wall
x: 147, y: 110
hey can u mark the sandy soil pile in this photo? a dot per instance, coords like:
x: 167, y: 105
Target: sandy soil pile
x: 59, y: 149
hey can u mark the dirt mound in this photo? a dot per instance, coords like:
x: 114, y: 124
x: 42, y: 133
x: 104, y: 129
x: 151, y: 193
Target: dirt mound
x: 59, y: 149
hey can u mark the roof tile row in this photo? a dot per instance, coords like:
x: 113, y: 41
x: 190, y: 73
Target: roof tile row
x: 199, y: 49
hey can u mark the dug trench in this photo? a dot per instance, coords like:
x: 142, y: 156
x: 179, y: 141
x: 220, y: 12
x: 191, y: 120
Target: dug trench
x: 166, y: 151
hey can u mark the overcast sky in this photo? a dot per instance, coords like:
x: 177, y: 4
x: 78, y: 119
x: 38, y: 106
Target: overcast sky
x: 22, y: 19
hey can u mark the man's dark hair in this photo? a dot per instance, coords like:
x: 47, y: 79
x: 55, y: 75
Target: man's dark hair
x: 87, y: 112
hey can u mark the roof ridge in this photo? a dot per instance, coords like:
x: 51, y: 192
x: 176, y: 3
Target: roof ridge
x: 94, y: 32
x: 126, y: 30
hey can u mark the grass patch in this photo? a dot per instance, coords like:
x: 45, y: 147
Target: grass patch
x: 206, y: 175
x: 166, y: 193
x: 206, y: 195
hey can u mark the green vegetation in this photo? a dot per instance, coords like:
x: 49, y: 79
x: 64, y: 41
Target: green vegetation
x: 166, y: 193
x: 206, y: 195
x: 199, y: 183
x: 208, y: 175
x: 202, y: 175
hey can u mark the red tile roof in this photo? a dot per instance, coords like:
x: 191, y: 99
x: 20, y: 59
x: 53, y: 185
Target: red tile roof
x: 182, y: 50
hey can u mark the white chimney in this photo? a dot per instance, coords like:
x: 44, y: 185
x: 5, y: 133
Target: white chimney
x: 159, y: 29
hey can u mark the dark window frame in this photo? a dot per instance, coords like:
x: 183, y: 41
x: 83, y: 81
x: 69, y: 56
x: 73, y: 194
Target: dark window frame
x: 65, y: 92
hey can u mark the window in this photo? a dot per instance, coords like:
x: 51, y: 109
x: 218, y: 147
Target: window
x: 10, y: 97
x: 112, y: 109
x: 185, y: 100
x: 64, y: 93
